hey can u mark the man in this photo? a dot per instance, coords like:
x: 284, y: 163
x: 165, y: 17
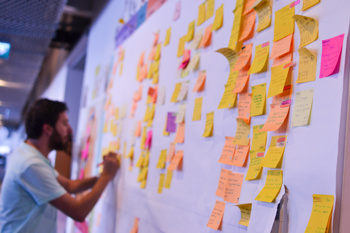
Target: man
x: 32, y: 190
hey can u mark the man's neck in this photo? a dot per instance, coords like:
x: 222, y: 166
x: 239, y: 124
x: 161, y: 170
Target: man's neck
x: 40, y: 146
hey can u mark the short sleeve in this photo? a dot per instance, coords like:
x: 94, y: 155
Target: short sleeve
x: 41, y: 182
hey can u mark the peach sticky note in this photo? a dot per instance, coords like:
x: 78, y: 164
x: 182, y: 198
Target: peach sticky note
x: 258, y: 104
x: 197, y: 111
x: 309, y: 3
x: 272, y: 186
x: 307, y: 66
x: 264, y: 11
x: 209, y: 125
x: 244, y: 103
x: 206, y: 40
x: 279, y: 76
x: 230, y: 55
x: 321, y: 213
x: 200, y: 82
x: 248, y: 26
x: 233, y: 187
x: 286, y: 58
x: 274, y: 155
x: 261, y: 58
x: 248, y: 7
x: 331, y: 54
x: 255, y: 168
x: 228, y: 151
x: 216, y: 215
x: 277, y: 116
x: 308, y: 29
x: 302, y: 108
x: 244, y: 57
x: 240, y: 156
x: 241, y: 81
x: 284, y: 22
x: 162, y: 159
x: 259, y: 138
x: 242, y: 133
x: 181, y: 46
x: 220, y: 191
x: 176, y: 161
x: 180, y: 133
x: 167, y: 37
x: 201, y: 14
x: 138, y: 129
x: 236, y: 26
x: 135, y: 227
x: 281, y: 47
x: 219, y: 15
x: 171, y: 152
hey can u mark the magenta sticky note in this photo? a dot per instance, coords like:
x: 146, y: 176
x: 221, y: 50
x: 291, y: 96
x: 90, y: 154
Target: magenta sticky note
x: 81, y: 174
x: 148, y: 142
x: 171, y: 124
x: 82, y: 226
x: 331, y: 55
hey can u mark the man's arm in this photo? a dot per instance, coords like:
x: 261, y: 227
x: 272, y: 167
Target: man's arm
x: 76, y: 186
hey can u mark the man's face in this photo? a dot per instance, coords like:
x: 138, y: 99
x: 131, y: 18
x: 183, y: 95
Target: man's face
x: 61, y: 133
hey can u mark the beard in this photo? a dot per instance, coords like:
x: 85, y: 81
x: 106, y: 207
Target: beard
x: 56, y: 141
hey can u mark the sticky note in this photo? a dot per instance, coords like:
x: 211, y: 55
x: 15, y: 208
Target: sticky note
x: 219, y: 15
x: 227, y: 151
x: 258, y: 104
x: 284, y: 97
x: 233, y: 187
x: 143, y: 174
x: 259, y: 138
x: 248, y: 26
x: 244, y: 57
x: 180, y: 133
x: 284, y: 59
x: 241, y: 81
x: 165, y: 133
x: 282, y: 46
x: 248, y: 7
x: 220, y: 191
x: 169, y: 177
x: 210, y: 9
x: 245, y: 214
x: 240, y: 156
x: 146, y: 159
x: 194, y: 63
x: 228, y: 99
x: 261, y: 58
x: 176, y: 161
x: 171, y: 124
x: 171, y: 152
x: 242, y: 133
x: 244, y: 103
x: 167, y: 37
x: 279, y: 76
x: 181, y: 46
x: 197, y: 39
x: 135, y: 227
x: 131, y: 153
x: 143, y: 184
x: 321, y: 213
x: 277, y: 116
x: 200, y: 82
x: 307, y: 66
x: 308, y: 29
x: 209, y: 125
x: 255, y: 168
x: 180, y: 116
x: 190, y: 31
x: 264, y: 12
x: 309, y: 3
x: 161, y: 183
x: 302, y: 108
x: 139, y: 161
x: 148, y: 142
x: 284, y: 22
x: 176, y: 92
x: 157, y: 54
x: 197, y: 111
x: 162, y: 159
x: 236, y: 26
x: 183, y: 91
x: 206, y: 39
x: 201, y: 14
x: 272, y: 186
x: 331, y: 54
x: 230, y: 55
x: 273, y: 157
x: 216, y: 216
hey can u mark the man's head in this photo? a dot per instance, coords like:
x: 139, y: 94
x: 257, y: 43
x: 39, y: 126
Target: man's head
x: 47, y: 118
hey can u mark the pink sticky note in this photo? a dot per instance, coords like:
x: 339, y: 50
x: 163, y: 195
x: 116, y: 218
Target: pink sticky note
x: 148, y: 143
x: 331, y: 54
x: 82, y: 226
x: 177, y: 11
x: 81, y: 174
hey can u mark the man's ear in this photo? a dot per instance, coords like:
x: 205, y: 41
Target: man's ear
x: 47, y: 129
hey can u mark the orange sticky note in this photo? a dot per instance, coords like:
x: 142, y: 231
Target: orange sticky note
x: 138, y: 129
x: 241, y: 81
x: 233, y: 187
x: 180, y: 133
x: 176, y: 161
x: 248, y: 26
x: 171, y: 152
x: 240, y: 157
x: 228, y: 151
x: 288, y: 57
x: 206, y: 40
x: 281, y: 47
x: 277, y: 116
x: 200, y: 82
x: 244, y: 57
x: 135, y: 227
x: 216, y: 215
x: 141, y: 59
x: 248, y: 7
x: 284, y: 96
x: 244, y: 103
x: 220, y: 191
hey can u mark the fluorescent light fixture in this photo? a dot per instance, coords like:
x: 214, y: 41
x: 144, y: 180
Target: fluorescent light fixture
x: 4, y: 50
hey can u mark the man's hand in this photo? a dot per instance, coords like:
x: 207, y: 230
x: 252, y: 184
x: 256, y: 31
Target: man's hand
x: 110, y: 165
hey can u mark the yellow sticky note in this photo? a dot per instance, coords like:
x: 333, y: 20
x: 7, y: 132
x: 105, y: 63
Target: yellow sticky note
x: 259, y: 139
x: 309, y: 3
x: 242, y: 133
x: 274, y: 155
x: 209, y: 125
x: 236, y: 27
x: 165, y: 133
x: 131, y: 153
x: 307, y: 66
x: 321, y: 213
x: 279, y: 76
x: 210, y: 9
x: 143, y: 137
x: 197, y: 111
x: 176, y: 92
x: 228, y: 99
x: 181, y: 47
x: 157, y: 56
x: 162, y: 159
x: 284, y: 22
x: 255, y: 168
x: 139, y: 161
x: 302, y: 108
x: 201, y: 14
x: 143, y: 184
x: 261, y: 57
x: 143, y: 174
x: 230, y: 55
x: 167, y: 37
x: 245, y: 214
x: 308, y: 29
x: 219, y: 15
x: 272, y: 186
x: 258, y: 105
x: 264, y: 12
x: 190, y: 31
x: 161, y: 183
x: 169, y: 177
x: 146, y: 159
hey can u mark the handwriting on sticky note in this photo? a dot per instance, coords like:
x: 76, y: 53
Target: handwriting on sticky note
x: 240, y: 156
x: 259, y: 138
x: 248, y: 26
x: 244, y: 103
x: 241, y: 81
x: 255, y: 168
x: 248, y: 7
x: 288, y: 57
x: 279, y: 76
x: 308, y: 29
x: 331, y: 54
x: 264, y: 12
x: 302, y: 108
x: 261, y: 58
x: 257, y: 107
x: 197, y: 111
x: 216, y: 215
x: 220, y: 191
x: 284, y: 22
x: 245, y: 214
x: 242, y: 133
x: 273, y: 157
x: 272, y: 186
x: 227, y: 151
x: 307, y: 66
x: 276, y: 117
x: 281, y: 47
x: 233, y: 187
x: 209, y: 125
x: 244, y: 57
